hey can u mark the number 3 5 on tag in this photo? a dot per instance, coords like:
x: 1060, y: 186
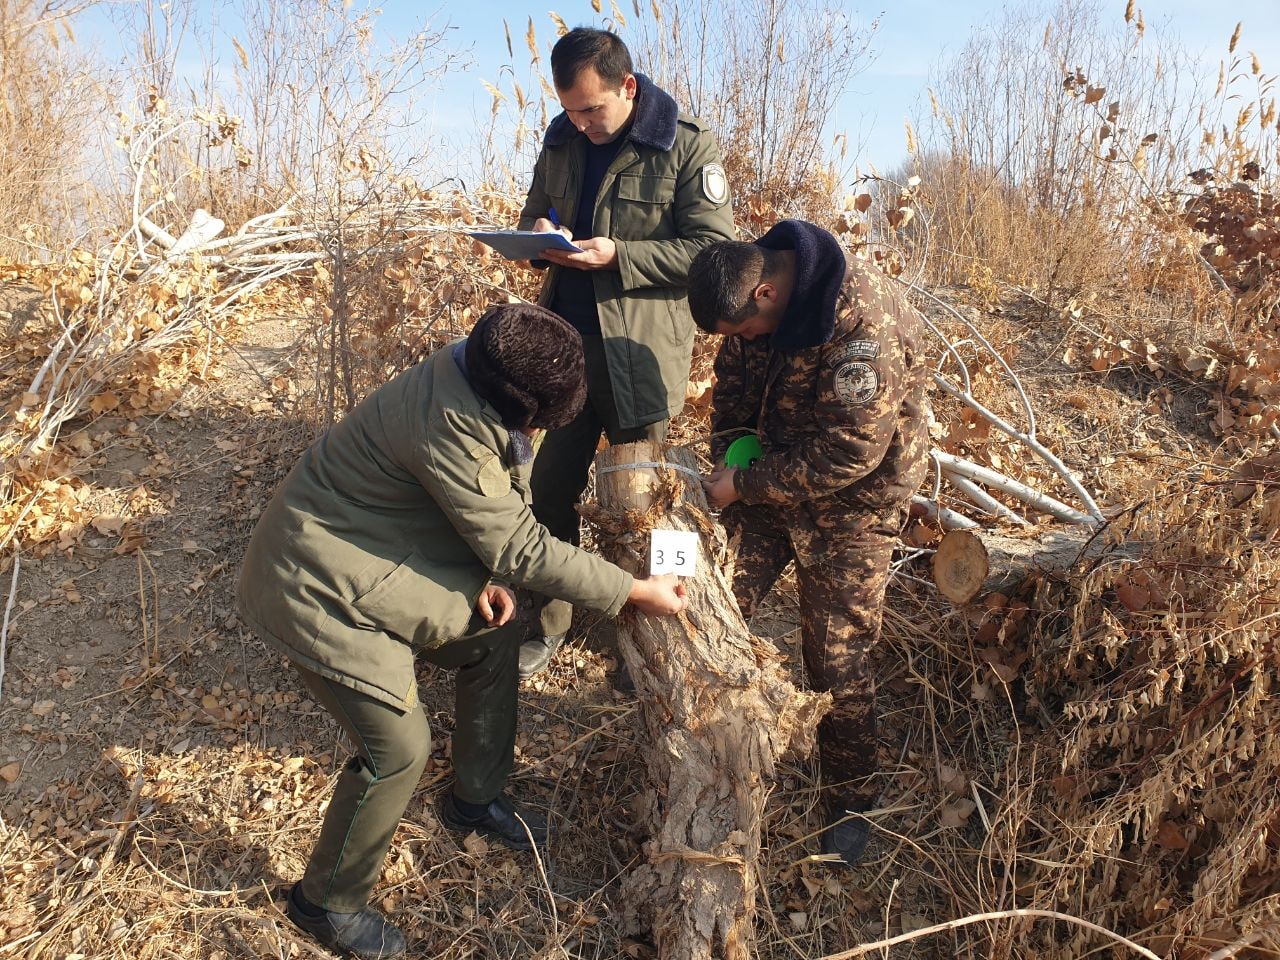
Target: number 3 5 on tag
x: 673, y: 551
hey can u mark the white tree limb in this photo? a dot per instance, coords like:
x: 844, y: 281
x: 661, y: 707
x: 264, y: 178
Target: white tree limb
x: 983, y: 500
x: 992, y: 478
x: 8, y: 607
x: 1094, y: 514
x: 865, y: 948
x: 947, y: 519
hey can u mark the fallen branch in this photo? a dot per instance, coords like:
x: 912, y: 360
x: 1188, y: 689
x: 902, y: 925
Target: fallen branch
x: 1248, y: 940
x: 8, y: 607
x: 1020, y: 491
x: 982, y: 918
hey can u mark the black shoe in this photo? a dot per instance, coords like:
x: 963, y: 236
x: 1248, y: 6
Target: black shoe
x: 502, y: 821
x: 536, y: 653
x: 846, y: 836
x: 367, y: 934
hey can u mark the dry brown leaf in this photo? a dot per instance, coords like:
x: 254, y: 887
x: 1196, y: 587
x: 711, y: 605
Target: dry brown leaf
x: 1170, y: 837
x: 911, y: 922
x: 108, y: 526
x: 1133, y: 597
x: 104, y: 402
x: 955, y: 814
x: 9, y: 772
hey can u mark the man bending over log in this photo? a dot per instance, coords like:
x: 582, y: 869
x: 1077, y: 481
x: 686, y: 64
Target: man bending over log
x: 397, y: 534
x: 823, y: 361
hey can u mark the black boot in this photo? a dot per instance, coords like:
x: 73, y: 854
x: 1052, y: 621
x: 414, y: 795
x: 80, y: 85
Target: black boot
x: 367, y: 935
x: 536, y: 653
x: 846, y: 836
x: 501, y: 820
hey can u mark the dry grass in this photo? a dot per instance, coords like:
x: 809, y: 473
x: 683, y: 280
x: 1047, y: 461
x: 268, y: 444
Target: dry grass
x: 48, y: 107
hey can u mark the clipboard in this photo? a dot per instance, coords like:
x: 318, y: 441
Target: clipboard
x: 524, y: 244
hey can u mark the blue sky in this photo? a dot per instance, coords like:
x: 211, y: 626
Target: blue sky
x: 914, y: 37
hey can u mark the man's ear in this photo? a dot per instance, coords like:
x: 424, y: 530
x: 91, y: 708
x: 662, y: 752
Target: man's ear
x: 765, y: 291
x: 629, y: 86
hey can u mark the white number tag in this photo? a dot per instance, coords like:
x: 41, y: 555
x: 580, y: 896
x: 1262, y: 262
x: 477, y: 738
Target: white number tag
x: 673, y: 551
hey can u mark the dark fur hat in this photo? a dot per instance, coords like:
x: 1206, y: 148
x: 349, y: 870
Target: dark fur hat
x: 527, y: 362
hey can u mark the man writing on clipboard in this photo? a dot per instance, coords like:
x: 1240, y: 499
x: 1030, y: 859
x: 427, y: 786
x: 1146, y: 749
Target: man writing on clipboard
x: 639, y: 188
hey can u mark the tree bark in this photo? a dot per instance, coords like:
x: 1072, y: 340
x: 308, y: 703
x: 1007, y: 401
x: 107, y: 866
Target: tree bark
x: 718, y: 709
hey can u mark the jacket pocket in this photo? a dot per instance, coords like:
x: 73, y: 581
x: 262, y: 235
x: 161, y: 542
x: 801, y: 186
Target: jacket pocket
x: 650, y: 189
x: 643, y: 208
x: 418, y: 605
x: 558, y: 188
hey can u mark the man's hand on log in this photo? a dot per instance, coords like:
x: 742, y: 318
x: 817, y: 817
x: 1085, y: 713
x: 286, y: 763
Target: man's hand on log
x: 496, y: 604
x: 658, y: 596
x: 720, y: 488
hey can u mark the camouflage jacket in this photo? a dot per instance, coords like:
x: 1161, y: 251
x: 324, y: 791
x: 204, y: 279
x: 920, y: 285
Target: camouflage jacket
x: 843, y: 424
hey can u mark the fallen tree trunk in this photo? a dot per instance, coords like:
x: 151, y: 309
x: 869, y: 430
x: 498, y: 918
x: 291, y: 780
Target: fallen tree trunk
x: 969, y: 565
x: 718, y: 709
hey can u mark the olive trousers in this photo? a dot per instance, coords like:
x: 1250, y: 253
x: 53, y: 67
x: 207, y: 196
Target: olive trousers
x: 392, y: 746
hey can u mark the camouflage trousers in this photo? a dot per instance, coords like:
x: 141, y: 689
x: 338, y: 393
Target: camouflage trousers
x: 841, y: 595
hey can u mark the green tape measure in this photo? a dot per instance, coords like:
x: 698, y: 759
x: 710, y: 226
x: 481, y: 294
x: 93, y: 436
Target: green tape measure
x: 743, y: 452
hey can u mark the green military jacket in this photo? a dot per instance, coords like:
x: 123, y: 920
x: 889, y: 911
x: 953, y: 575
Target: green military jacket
x: 663, y: 199
x: 384, y: 534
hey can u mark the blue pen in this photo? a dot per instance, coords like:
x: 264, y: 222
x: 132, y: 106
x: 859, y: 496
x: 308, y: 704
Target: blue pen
x: 555, y: 221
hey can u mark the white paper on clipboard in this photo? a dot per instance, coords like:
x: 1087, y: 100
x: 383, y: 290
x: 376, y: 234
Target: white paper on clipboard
x: 524, y: 244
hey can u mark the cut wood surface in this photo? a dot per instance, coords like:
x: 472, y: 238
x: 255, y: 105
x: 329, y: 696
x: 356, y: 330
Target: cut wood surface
x: 970, y: 565
x: 718, y: 708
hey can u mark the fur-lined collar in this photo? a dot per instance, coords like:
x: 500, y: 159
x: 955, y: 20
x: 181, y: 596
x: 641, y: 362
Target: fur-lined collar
x: 821, y: 267
x: 654, y: 124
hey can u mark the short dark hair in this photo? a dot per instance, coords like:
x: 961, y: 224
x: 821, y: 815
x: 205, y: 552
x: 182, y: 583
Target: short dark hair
x: 584, y: 47
x: 721, y: 279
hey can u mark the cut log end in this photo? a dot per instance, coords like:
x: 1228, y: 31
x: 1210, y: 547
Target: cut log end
x: 960, y: 566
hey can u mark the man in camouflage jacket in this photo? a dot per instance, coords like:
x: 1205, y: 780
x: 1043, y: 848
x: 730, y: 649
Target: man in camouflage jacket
x: 823, y: 361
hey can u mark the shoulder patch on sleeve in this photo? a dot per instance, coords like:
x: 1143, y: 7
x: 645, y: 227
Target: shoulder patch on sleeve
x: 715, y: 185
x: 857, y: 383
x: 492, y: 478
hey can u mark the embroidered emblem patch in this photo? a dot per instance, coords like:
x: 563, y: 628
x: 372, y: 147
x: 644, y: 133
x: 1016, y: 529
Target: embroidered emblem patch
x: 856, y: 383
x: 715, y: 185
